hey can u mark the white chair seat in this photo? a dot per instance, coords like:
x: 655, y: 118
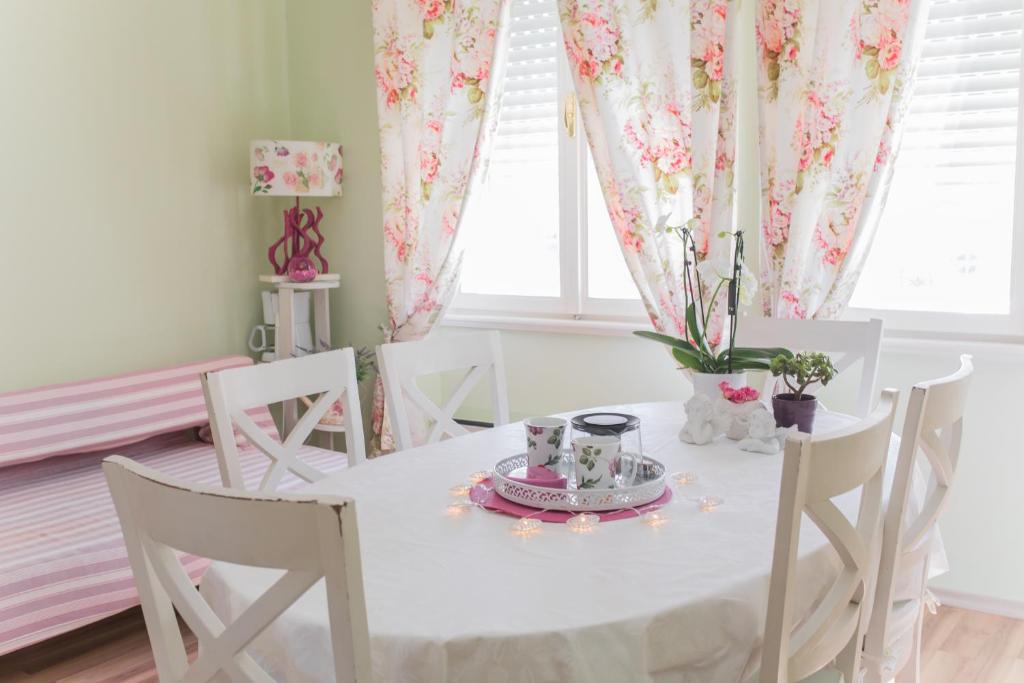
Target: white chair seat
x: 902, y: 618
x: 827, y: 675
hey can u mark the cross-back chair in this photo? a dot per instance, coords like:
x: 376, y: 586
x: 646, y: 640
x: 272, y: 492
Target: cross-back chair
x: 330, y: 375
x: 826, y: 646
x: 845, y: 341
x: 401, y: 363
x: 310, y: 537
x: 933, y: 428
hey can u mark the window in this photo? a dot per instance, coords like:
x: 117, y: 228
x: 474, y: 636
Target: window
x: 944, y: 254
x: 538, y: 239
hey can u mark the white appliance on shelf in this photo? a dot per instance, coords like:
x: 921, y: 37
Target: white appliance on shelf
x: 263, y: 338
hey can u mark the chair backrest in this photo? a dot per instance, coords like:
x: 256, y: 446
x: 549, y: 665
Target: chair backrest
x: 401, y: 363
x: 816, y: 470
x: 933, y: 427
x: 846, y: 341
x: 330, y: 375
x: 310, y: 537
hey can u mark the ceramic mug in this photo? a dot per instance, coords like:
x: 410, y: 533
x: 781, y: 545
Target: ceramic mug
x: 544, y: 436
x: 596, y: 460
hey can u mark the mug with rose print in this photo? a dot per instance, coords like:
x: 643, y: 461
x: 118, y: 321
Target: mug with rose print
x: 596, y: 460
x: 544, y: 442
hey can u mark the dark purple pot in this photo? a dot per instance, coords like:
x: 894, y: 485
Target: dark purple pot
x: 789, y: 412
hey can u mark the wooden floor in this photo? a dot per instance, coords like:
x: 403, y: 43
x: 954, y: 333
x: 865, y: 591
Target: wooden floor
x: 959, y: 646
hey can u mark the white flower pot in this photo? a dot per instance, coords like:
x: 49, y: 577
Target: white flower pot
x: 707, y: 383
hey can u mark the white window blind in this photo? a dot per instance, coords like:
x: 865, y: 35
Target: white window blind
x: 945, y: 239
x: 528, y: 123
x: 512, y: 236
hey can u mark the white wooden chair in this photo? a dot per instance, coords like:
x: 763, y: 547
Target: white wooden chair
x: 310, y: 537
x: 826, y: 646
x: 845, y: 341
x: 402, y: 363
x: 229, y: 393
x: 933, y: 427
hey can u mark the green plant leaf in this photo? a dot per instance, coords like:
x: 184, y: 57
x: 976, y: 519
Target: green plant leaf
x: 691, y: 325
x: 690, y: 361
x: 749, y: 364
x: 677, y: 342
x: 683, y: 351
x: 756, y: 352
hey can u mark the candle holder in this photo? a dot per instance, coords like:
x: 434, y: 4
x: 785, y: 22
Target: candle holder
x: 526, y: 527
x: 583, y: 524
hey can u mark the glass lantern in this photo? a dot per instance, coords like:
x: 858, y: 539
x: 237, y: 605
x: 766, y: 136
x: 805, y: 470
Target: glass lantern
x: 626, y: 428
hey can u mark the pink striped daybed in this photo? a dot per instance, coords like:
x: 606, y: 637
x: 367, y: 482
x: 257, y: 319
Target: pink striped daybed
x: 62, y: 559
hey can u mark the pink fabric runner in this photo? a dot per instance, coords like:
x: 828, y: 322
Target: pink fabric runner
x: 483, y: 495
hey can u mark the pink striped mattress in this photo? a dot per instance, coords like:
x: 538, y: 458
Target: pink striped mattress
x: 62, y: 559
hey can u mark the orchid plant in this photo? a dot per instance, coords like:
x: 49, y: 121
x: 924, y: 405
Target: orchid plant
x: 695, y: 351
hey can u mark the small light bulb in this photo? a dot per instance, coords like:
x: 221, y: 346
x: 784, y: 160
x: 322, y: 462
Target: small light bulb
x: 458, y: 509
x: 684, y: 478
x: 459, y: 491
x: 585, y: 523
x: 478, y: 477
x: 526, y: 527
x: 708, y: 503
x: 655, y: 518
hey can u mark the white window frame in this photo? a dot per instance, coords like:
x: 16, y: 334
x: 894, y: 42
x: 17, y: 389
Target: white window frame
x: 935, y: 324
x: 575, y: 302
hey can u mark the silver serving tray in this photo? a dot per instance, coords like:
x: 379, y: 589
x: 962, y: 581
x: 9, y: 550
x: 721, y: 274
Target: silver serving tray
x: 572, y: 499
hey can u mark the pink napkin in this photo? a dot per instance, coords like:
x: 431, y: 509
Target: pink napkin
x: 541, y: 476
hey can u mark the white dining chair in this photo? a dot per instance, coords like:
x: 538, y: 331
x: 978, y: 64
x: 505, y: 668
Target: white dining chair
x: 331, y: 376
x: 309, y: 537
x: 845, y: 341
x: 933, y: 428
x: 402, y: 363
x: 826, y: 646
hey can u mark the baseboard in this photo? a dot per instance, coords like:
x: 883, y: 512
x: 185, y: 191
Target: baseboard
x: 980, y: 603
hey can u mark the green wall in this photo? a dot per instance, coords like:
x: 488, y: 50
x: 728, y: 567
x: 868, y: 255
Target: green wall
x: 129, y: 239
x: 333, y: 97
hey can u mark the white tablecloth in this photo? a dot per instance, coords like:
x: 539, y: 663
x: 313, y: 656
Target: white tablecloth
x: 462, y: 599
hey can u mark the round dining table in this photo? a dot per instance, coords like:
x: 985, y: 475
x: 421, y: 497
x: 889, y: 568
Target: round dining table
x: 459, y: 597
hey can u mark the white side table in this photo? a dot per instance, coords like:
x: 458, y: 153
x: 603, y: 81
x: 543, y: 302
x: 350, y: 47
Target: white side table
x: 285, y: 336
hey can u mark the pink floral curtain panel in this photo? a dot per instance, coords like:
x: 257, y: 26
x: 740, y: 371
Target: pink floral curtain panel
x: 834, y: 79
x: 435, y: 68
x: 657, y: 95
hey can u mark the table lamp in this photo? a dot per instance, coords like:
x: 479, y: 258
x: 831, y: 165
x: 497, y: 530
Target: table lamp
x: 292, y: 168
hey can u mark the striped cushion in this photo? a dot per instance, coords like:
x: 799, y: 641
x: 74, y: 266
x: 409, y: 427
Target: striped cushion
x: 100, y: 414
x: 62, y: 559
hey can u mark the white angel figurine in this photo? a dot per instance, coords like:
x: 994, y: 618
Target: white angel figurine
x: 763, y: 436
x: 701, y: 426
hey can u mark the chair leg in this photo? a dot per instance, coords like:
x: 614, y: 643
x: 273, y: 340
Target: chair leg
x: 911, y: 671
x: 849, y: 660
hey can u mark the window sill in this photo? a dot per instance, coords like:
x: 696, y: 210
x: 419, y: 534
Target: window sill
x: 622, y: 327
x: 894, y: 341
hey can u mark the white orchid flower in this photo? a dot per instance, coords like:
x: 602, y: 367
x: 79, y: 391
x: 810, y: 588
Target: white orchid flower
x: 712, y: 271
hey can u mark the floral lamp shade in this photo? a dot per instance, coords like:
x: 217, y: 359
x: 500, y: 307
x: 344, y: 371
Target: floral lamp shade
x: 293, y: 168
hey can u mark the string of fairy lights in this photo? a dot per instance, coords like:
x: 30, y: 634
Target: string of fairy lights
x: 584, y: 523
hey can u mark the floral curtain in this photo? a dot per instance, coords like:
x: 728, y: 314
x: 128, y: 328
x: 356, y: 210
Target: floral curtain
x: 657, y: 95
x: 834, y: 80
x: 436, y: 71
